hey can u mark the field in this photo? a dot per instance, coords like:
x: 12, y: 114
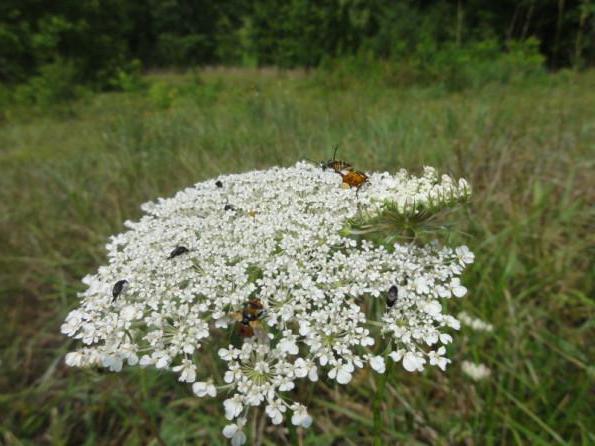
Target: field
x: 70, y: 177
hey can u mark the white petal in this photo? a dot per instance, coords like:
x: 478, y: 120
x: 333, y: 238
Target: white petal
x: 459, y: 291
x: 412, y: 362
x: 128, y: 313
x: 396, y: 355
x: 377, y: 363
x: 343, y: 376
x: 433, y: 308
x: 200, y: 388
x: 230, y: 430
x: 228, y: 377
x: 238, y: 439
x: 211, y: 391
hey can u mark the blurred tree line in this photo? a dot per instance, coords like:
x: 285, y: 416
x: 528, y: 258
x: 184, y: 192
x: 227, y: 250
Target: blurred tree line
x: 101, y: 42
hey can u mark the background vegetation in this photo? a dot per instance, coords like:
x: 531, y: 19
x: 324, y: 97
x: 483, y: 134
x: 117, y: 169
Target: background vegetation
x: 108, y: 104
x: 68, y: 179
x: 48, y: 51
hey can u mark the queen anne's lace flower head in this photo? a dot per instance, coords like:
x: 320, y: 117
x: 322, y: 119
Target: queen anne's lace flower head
x: 274, y: 239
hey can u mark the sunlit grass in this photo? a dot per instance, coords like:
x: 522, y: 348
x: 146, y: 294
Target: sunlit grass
x: 70, y: 178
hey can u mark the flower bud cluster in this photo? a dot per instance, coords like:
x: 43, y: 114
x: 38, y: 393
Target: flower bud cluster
x: 270, y: 239
x: 474, y: 323
x: 475, y: 371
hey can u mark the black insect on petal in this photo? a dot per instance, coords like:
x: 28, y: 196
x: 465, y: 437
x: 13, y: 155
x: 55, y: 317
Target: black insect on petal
x: 393, y: 294
x: 218, y: 183
x: 179, y: 250
x: 118, y: 288
x: 229, y: 207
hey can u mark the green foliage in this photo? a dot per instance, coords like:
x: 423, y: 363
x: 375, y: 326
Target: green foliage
x: 89, y: 36
x: 344, y: 72
x: 56, y: 83
x: 12, y: 52
x: 421, y: 41
x: 182, y: 50
x: 162, y: 94
x: 129, y: 78
x: 450, y: 66
x: 51, y: 32
x: 5, y: 100
x: 479, y: 63
x: 202, y: 93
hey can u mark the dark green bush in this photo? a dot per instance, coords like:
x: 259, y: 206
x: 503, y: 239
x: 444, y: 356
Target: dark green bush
x: 56, y: 83
x: 455, y: 45
x: 458, y: 67
x: 129, y: 78
x: 451, y: 66
x: 162, y: 94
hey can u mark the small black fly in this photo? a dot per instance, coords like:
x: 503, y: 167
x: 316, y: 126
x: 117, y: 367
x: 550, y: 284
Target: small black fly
x: 178, y: 251
x: 218, y: 183
x: 229, y: 207
x: 119, y: 287
x: 392, y: 295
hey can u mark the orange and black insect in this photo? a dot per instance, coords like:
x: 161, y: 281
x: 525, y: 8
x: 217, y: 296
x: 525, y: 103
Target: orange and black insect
x: 245, y: 329
x: 252, y: 312
x: 335, y: 164
x: 354, y: 178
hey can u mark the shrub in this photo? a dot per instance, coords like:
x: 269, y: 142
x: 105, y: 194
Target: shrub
x: 162, y: 94
x: 129, y: 78
x: 452, y: 66
x: 56, y: 83
x: 479, y: 63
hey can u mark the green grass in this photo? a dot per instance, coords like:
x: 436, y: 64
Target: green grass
x: 69, y: 177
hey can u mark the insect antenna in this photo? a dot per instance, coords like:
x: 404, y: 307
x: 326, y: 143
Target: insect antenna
x: 335, y: 151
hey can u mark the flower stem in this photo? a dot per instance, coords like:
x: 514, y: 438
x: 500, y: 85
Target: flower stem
x: 293, y: 435
x: 377, y: 406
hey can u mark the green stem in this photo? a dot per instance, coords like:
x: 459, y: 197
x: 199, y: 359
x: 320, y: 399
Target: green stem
x: 377, y: 406
x: 293, y: 435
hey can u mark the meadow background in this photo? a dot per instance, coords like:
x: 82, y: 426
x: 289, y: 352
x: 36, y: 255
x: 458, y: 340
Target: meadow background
x: 106, y: 106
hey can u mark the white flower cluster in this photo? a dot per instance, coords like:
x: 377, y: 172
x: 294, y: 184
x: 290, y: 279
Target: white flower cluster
x: 477, y: 372
x: 474, y: 323
x: 255, y: 265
